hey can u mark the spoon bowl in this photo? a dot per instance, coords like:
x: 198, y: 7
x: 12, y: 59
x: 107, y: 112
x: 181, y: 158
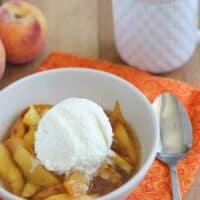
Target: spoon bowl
x: 175, y: 134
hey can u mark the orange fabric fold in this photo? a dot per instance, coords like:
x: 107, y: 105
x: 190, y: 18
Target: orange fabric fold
x: 156, y: 185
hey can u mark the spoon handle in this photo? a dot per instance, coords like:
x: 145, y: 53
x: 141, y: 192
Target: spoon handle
x: 175, y: 182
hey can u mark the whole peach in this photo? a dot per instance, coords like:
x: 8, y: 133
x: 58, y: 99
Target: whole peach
x: 23, y: 31
x: 2, y: 59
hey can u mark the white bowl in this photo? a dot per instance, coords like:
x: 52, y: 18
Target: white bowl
x: 54, y: 85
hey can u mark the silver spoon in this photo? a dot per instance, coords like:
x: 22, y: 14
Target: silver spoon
x: 175, y: 135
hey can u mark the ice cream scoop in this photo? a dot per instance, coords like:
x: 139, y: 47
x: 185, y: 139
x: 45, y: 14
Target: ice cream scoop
x: 75, y: 134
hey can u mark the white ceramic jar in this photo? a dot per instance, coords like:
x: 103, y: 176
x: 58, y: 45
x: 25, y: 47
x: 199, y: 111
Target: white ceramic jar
x: 156, y: 35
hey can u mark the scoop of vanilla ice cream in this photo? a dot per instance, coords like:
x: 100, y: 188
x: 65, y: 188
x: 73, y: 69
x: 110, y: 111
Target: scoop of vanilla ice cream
x: 73, y: 135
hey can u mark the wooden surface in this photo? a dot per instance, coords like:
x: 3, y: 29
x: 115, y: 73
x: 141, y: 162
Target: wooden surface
x: 84, y: 27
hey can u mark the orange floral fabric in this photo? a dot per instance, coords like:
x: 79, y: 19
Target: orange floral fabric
x: 156, y: 185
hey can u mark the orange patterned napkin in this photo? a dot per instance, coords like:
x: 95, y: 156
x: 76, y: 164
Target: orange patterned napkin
x: 156, y: 185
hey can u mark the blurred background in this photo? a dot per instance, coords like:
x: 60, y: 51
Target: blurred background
x: 85, y: 28
x: 82, y: 27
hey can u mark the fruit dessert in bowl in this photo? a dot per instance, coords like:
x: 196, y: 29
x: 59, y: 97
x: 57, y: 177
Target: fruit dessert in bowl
x: 74, y: 134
